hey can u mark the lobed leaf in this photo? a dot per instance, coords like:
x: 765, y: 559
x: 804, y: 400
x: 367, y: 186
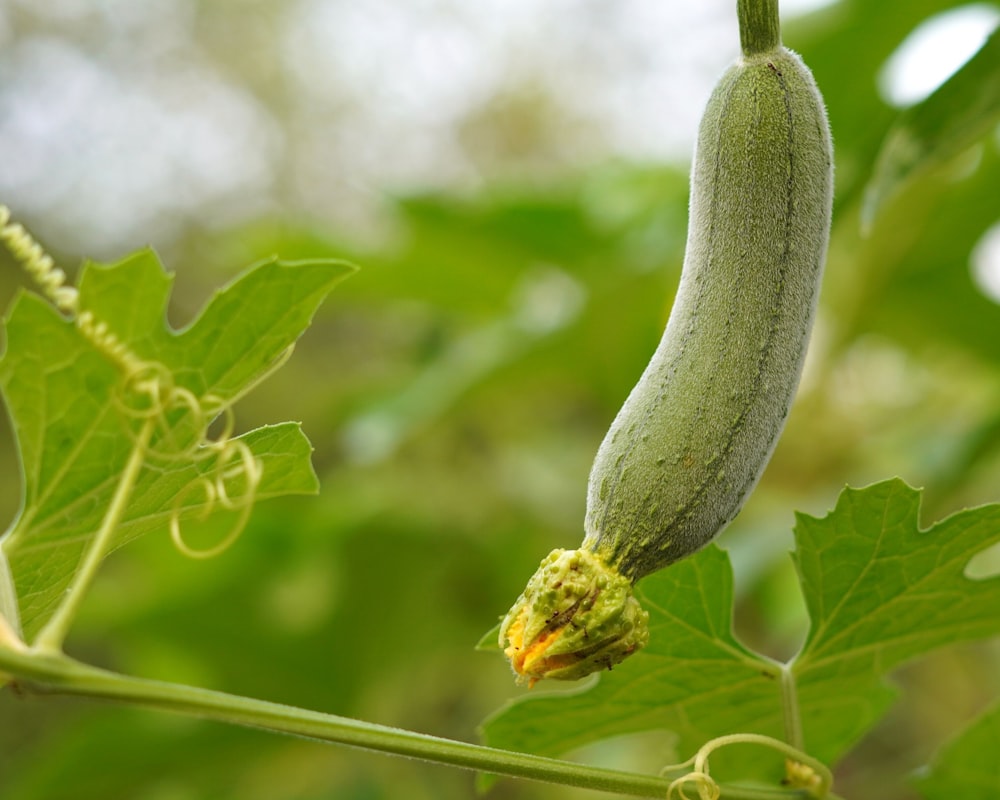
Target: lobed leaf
x: 60, y: 392
x: 879, y: 590
x: 693, y: 678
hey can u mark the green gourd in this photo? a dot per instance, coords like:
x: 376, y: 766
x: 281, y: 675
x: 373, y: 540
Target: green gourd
x: 698, y: 429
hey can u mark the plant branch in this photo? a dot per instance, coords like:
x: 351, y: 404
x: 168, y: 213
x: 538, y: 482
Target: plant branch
x: 56, y: 673
x: 760, y: 28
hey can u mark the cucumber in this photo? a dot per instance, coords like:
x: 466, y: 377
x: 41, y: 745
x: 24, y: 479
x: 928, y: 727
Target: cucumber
x: 697, y: 430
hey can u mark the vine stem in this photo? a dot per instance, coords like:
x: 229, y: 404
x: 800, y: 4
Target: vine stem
x: 51, y: 637
x: 760, y: 28
x: 57, y: 673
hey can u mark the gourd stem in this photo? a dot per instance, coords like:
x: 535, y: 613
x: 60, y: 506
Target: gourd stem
x: 760, y: 29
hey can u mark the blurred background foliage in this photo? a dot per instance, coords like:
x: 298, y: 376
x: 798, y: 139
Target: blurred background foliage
x: 512, y: 178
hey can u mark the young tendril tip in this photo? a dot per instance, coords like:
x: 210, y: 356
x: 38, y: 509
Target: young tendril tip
x: 802, y: 770
x: 37, y: 264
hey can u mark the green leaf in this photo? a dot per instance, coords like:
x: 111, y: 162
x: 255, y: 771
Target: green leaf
x: 60, y: 392
x: 967, y: 767
x: 879, y: 592
x: 489, y: 640
x: 693, y: 678
x: 961, y: 111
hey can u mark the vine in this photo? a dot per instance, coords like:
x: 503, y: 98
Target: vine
x: 56, y: 673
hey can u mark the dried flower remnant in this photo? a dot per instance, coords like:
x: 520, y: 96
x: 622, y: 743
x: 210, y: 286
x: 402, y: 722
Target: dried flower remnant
x: 577, y: 615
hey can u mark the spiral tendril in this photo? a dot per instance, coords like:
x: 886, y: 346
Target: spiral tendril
x: 37, y: 263
x: 703, y: 783
x: 213, y: 486
x: 149, y: 392
x: 51, y: 280
x: 802, y: 770
x: 98, y: 334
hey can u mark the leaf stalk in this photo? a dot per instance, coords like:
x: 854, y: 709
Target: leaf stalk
x: 52, y: 636
x: 790, y: 708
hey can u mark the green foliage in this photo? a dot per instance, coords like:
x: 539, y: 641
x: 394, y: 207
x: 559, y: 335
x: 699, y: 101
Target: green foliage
x: 494, y: 427
x: 64, y: 400
x: 963, y: 110
x: 879, y: 591
x: 967, y: 767
x: 694, y: 678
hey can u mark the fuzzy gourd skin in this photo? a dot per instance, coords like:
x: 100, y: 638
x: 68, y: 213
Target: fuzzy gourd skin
x: 697, y: 430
